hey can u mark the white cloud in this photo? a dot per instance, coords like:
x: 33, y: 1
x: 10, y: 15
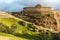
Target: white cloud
x: 19, y: 4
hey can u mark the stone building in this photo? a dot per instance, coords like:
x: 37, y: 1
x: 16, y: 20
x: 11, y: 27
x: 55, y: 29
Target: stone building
x: 38, y: 7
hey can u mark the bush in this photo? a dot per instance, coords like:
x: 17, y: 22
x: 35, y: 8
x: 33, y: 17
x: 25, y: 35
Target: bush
x: 57, y: 36
x: 31, y: 27
x: 11, y: 30
x: 14, y: 29
x: 21, y: 23
x: 46, y: 35
x: 4, y: 28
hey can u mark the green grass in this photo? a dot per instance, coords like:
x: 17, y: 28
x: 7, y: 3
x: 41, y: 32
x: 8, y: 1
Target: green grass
x: 8, y: 21
x: 11, y: 37
x: 25, y: 32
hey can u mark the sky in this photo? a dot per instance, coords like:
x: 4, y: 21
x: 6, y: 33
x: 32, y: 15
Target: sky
x: 18, y: 5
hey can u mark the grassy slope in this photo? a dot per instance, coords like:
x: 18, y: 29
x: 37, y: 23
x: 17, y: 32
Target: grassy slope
x: 5, y: 36
x: 30, y: 35
x: 8, y: 21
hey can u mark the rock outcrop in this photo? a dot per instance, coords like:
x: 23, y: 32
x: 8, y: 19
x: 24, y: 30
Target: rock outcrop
x: 43, y: 16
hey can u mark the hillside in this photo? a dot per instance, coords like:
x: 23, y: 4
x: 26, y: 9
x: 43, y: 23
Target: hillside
x: 5, y: 15
x: 24, y: 31
x: 32, y: 23
x: 45, y: 17
x: 57, y: 16
x: 13, y: 28
x: 39, y: 18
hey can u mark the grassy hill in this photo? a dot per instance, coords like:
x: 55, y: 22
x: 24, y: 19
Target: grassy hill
x: 23, y: 30
x: 12, y: 28
x: 41, y: 18
x: 8, y: 21
x: 4, y: 36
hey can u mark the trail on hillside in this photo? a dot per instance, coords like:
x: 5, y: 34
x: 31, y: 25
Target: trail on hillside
x: 7, y: 15
x: 4, y: 38
x: 56, y: 15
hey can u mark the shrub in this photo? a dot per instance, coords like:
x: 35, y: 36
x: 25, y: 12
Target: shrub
x: 31, y: 27
x: 21, y: 23
x: 46, y: 35
x: 4, y: 28
x: 57, y: 36
x: 14, y: 29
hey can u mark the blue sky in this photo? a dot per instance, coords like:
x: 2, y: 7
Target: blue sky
x: 18, y: 5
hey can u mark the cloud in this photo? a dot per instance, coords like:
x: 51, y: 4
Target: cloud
x: 49, y: 3
x: 18, y: 5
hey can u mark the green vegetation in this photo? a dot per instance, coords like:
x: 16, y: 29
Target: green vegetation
x: 8, y: 21
x: 5, y: 36
x: 21, y: 30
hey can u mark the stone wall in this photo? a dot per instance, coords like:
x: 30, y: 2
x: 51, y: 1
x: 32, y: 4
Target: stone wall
x: 37, y: 8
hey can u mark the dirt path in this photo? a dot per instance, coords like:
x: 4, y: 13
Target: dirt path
x: 57, y: 17
x: 4, y: 38
x: 6, y: 15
